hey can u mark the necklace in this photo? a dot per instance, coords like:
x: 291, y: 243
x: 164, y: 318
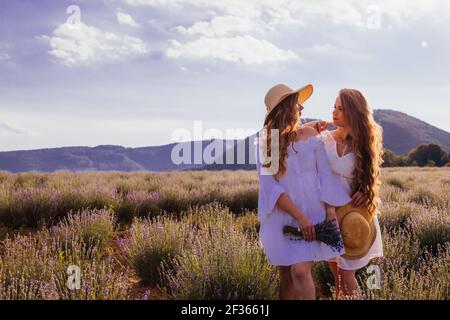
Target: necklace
x: 346, y: 147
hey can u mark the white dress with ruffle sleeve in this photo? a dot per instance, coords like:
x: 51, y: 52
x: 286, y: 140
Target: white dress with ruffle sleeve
x: 309, y: 182
x: 343, y: 167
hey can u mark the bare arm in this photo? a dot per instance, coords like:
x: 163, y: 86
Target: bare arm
x: 285, y: 203
x: 331, y: 212
x: 318, y: 125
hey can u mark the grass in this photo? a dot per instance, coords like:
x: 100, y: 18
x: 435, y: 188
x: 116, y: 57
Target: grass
x: 153, y: 242
x: 194, y: 235
x: 223, y: 264
x: 93, y: 228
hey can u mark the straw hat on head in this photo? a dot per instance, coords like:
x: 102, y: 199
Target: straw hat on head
x: 357, y: 229
x: 279, y: 92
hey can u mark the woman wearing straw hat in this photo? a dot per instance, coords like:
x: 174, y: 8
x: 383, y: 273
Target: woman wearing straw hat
x: 300, y: 192
x: 354, y: 152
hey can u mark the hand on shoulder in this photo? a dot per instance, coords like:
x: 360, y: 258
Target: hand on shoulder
x: 318, y: 125
x: 306, y: 132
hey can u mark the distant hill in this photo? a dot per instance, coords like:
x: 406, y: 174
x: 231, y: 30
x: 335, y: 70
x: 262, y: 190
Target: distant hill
x: 401, y: 133
x: 101, y: 158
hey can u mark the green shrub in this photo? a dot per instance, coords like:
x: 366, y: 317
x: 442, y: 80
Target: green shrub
x: 154, y: 241
x: 94, y: 228
x: 224, y: 264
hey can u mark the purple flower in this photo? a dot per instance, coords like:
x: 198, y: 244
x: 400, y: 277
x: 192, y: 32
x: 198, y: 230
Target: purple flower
x: 326, y: 232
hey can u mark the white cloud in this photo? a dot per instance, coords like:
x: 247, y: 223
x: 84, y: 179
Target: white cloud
x: 404, y: 11
x: 8, y: 130
x: 233, y: 7
x: 82, y: 44
x: 126, y: 19
x: 351, y: 12
x: 4, y: 57
x: 220, y: 26
x: 207, y: 23
x: 339, y: 53
x: 153, y: 2
x: 240, y: 49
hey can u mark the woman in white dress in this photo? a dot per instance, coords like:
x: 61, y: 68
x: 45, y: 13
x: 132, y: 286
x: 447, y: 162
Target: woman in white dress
x: 354, y: 152
x: 301, y: 192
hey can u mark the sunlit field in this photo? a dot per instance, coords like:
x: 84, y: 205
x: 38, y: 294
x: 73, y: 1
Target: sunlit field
x: 194, y: 235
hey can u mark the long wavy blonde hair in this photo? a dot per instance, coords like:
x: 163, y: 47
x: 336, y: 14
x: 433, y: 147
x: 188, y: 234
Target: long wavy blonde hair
x: 285, y: 118
x: 366, y: 138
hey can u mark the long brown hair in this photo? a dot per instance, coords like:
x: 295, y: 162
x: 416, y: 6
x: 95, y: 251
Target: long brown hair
x: 285, y: 118
x: 366, y: 139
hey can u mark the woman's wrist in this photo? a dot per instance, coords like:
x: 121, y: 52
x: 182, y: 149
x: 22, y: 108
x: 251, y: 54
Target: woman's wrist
x: 331, y: 212
x: 299, y: 215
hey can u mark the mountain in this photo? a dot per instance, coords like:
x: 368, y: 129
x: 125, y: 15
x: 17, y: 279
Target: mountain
x: 401, y: 133
x: 101, y: 158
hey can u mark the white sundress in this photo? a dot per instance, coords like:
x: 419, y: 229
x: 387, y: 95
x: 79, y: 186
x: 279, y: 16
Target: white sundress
x: 343, y: 167
x: 309, y: 182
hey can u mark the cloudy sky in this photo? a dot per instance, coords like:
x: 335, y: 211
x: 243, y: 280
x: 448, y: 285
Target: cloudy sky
x: 131, y: 72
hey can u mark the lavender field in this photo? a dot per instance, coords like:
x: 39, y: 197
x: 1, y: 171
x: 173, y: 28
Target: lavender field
x: 194, y: 235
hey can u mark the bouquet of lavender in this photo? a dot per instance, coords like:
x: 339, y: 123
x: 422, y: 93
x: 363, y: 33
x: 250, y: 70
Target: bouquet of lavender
x: 326, y: 232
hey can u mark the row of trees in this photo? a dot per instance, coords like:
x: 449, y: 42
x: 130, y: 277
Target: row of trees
x: 426, y: 155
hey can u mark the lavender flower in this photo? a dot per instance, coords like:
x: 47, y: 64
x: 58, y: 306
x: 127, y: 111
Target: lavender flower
x: 326, y: 232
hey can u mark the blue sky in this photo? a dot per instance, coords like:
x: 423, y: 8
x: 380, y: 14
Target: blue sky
x: 130, y: 72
